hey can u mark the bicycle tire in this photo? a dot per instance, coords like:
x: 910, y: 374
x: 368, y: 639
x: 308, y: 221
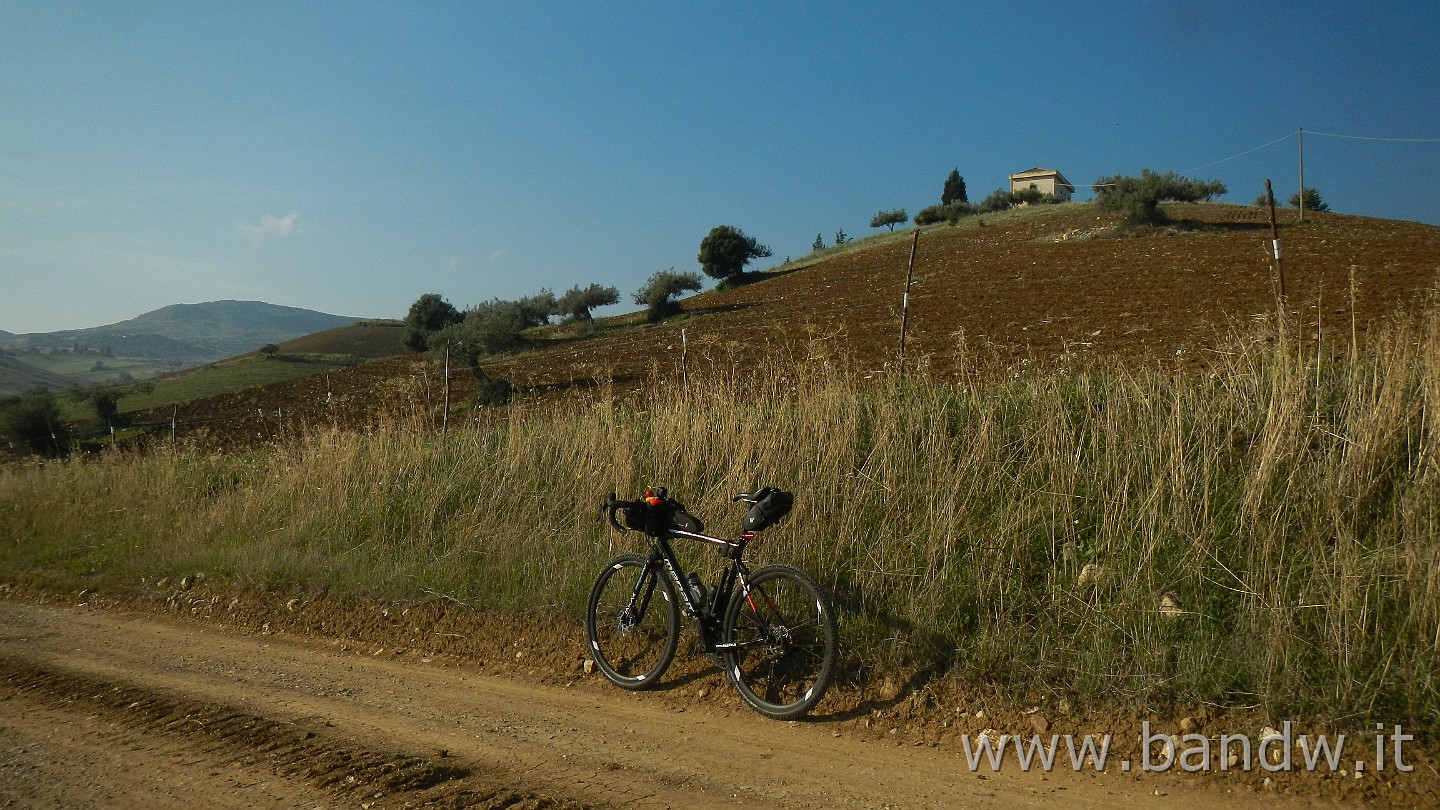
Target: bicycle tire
x: 787, y: 638
x: 632, y: 651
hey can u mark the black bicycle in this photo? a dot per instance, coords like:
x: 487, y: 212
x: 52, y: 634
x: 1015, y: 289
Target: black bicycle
x: 771, y: 630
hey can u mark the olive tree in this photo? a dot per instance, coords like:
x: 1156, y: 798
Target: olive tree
x: 576, y: 303
x: 1140, y: 197
x: 726, y: 250
x: 660, y: 290
x: 890, y: 218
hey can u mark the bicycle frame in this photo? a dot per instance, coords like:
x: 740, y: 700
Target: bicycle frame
x: 662, y: 555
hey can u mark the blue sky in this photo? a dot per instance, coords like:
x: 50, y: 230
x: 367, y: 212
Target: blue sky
x: 348, y: 157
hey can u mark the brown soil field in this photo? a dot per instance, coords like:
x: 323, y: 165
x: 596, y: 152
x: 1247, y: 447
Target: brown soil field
x: 1049, y: 286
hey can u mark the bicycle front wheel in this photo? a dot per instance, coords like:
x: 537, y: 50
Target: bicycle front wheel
x: 632, y: 622
x: 786, y: 641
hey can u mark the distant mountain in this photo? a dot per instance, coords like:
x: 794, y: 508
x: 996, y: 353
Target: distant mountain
x: 188, y: 334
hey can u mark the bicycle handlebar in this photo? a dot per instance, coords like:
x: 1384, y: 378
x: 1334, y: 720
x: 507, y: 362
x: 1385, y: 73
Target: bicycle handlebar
x: 611, y: 504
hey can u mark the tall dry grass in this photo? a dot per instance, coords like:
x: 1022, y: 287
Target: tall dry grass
x: 1263, y: 534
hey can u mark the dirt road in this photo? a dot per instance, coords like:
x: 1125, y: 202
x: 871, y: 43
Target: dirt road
x: 110, y: 709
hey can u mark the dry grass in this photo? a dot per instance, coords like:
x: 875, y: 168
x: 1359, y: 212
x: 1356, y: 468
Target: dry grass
x: 1020, y: 532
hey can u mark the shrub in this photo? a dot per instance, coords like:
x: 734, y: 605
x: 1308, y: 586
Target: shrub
x: 951, y: 213
x: 106, y: 403
x: 659, y: 291
x: 1312, y: 201
x: 33, y: 420
x: 1140, y: 197
x: 491, y: 392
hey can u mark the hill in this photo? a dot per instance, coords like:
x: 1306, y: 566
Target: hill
x: 1041, y: 286
x: 1045, y: 285
x: 370, y: 339
x: 17, y: 376
x: 172, y: 337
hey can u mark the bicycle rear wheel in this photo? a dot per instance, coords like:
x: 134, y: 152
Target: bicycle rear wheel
x: 786, y: 642
x: 632, y: 622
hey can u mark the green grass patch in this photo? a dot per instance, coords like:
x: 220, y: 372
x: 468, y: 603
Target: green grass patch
x: 229, y: 376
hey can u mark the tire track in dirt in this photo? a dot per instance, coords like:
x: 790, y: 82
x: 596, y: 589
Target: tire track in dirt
x: 221, y: 737
x: 237, y: 707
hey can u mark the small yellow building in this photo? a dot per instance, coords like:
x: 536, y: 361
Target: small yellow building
x: 1047, y: 181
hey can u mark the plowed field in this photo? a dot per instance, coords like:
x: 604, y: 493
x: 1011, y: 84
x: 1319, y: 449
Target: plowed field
x: 1039, y: 288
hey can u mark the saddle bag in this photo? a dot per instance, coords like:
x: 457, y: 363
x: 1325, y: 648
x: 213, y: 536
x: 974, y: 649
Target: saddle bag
x: 767, y: 511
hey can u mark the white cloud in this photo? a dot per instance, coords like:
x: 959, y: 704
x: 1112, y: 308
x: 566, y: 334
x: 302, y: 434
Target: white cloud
x: 270, y: 225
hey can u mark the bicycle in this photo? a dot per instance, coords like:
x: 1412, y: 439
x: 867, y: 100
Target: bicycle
x: 771, y: 630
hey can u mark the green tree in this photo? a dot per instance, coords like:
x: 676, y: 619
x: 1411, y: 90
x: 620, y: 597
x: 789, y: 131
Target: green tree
x: 1140, y: 197
x: 488, y: 330
x: 105, y: 402
x: 819, y: 244
x: 536, y: 309
x: 1312, y: 201
x: 954, y: 190
x: 660, y: 290
x: 841, y: 237
x: 492, y: 328
x: 429, y: 314
x: 576, y: 303
x: 458, y: 345
x: 33, y: 421
x: 890, y: 218
x: 725, y: 251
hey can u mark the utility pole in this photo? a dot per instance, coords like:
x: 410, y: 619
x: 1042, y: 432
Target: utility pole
x: 905, y: 300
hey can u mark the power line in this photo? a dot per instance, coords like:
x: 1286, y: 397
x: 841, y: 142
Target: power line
x: 1372, y: 137
x: 1290, y: 135
x: 1241, y: 154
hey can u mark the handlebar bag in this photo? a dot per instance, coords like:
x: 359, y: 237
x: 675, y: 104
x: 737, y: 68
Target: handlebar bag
x: 767, y: 511
x: 636, y: 517
x: 656, y: 520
